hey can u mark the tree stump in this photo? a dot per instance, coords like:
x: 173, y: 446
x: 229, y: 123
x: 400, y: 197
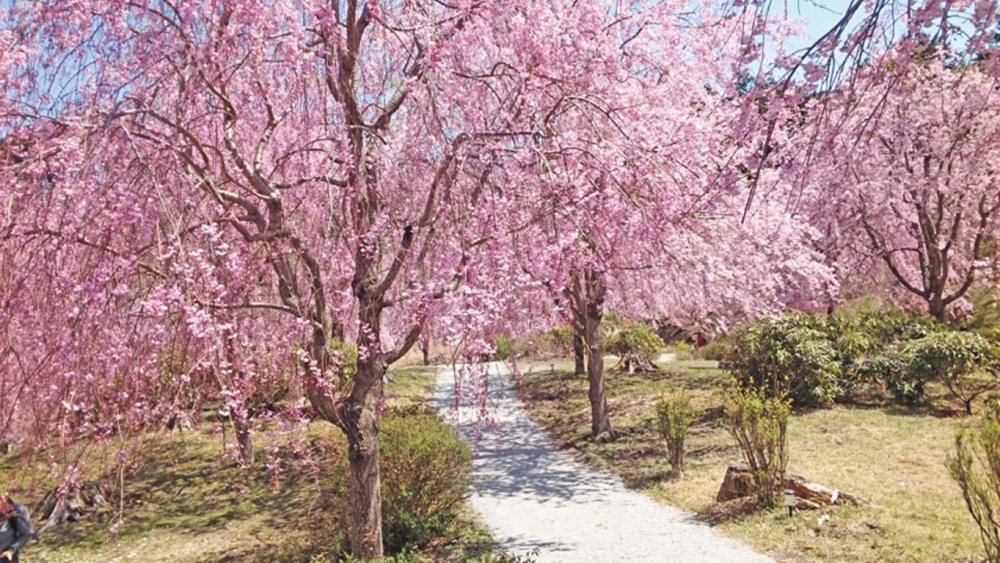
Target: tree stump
x: 635, y: 363
x: 737, y: 484
x: 89, y: 499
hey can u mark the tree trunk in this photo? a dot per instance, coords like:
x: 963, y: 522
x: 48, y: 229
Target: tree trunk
x: 425, y: 350
x: 238, y: 412
x: 578, y: 354
x: 600, y: 422
x: 936, y: 308
x: 364, y: 479
x: 361, y: 412
x: 244, y: 442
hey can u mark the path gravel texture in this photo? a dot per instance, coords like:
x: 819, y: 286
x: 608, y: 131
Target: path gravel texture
x: 536, y: 498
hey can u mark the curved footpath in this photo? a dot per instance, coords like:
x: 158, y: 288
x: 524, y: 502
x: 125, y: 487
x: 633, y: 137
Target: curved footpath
x: 535, y: 497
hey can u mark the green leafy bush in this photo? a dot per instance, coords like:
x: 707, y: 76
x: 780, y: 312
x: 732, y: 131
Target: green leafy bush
x: 715, y: 350
x: 869, y: 342
x: 818, y: 360
x: 426, y: 474
x: 683, y: 351
x: 503, y: 347
x: 793, y: 356
x: 892, y: 369
x: 976, y: 468
x: 966, y: 363
x: 759, y: 424
x: 674, y: 415
x: 345, y: 357
x: 635, y: 344
x: 561, y: 339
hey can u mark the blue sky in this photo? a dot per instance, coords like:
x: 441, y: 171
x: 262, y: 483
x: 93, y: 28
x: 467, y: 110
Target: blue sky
x: 819, y: 17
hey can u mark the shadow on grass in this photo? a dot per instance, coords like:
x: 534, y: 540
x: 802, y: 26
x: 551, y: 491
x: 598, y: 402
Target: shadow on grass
x: 721, y: 512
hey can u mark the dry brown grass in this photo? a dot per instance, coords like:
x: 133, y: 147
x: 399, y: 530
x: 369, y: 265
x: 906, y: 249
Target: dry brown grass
x: 893, y: 457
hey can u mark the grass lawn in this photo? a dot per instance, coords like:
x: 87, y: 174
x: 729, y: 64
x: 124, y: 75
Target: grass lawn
x: 182, y: 503
x: 890, y: 456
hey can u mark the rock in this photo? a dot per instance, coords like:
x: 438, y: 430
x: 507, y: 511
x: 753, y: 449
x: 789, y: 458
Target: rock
x: 738, y: 483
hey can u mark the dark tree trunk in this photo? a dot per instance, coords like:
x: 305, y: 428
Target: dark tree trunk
x: 578, y: 355
x: 425, y: 350
x: 594, y: 312
x: 599, y: 421
x: 361, y: 426
x: 357, y: 416
x: 936, y: 308
x: 364, y: 479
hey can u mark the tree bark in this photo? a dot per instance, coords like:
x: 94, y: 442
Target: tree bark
x: 361, y: 412
x: 425, y: 350
x: 936, y: 308
x: 244, y: 442
x: 594, y: 310
x: 578, y: 355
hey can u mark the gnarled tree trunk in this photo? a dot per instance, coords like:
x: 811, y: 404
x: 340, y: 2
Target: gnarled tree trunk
x: 361, y: 426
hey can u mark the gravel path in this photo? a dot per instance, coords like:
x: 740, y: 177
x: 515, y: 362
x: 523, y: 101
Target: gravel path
x: 534, y: 497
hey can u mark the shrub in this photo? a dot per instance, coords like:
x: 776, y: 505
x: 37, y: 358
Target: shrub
x: 682, y: 351
x: 791, y: 356
x: 503, y: 347
x: 345, y: 355
x: 635, y: 344
x: 561, y: 339
x: 714, y: 351
x: 426, y: 474
x: 674, y: 414
x: 955, y: 358
x: 870, y: 342
x: 976, y: 468
x: 759, y: 424
x: 892, y: 369
x: 426, y: 471
x: 818, y: 360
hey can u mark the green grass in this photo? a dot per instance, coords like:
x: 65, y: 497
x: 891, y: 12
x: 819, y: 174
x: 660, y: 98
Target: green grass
x: 182, y: 503
x: 891, y: 456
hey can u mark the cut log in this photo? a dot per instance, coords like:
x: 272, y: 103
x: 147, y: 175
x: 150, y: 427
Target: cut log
x: 738, y: 483
x: 816, y: 493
